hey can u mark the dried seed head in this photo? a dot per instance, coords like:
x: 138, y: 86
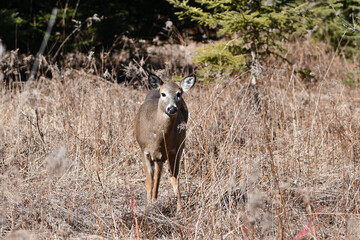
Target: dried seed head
x: 256, y: 200
x: 57, y: 161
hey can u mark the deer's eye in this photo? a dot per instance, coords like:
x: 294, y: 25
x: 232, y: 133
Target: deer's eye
x: 178, y: 94
x: 163, y: 94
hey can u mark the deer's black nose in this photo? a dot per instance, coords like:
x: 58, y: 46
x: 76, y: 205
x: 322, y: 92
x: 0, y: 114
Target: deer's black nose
x: 171, y: 110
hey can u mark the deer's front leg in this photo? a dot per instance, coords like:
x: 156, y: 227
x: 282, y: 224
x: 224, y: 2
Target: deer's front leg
x: 157, y: 176
x: 149, y: 172
x: 174, y: 171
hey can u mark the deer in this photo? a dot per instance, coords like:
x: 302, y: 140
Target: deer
x: 160, y: 129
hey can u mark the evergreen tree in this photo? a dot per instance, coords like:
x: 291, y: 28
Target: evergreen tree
x: 260, y: 24
x: 337, y: 22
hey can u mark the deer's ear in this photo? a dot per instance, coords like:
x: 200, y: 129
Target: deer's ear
x: 154, y: 81
x: 188, y: 83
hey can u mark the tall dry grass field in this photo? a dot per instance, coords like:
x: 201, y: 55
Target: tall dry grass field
x: 70, y: 167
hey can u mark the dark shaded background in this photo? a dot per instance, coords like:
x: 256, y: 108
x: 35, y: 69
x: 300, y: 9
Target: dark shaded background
x: 22, y: 23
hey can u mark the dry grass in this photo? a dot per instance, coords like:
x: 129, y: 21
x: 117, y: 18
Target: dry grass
x: 70, y: 167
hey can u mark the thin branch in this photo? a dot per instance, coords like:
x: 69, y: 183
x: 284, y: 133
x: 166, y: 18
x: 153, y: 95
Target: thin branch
x: 346, y: 24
